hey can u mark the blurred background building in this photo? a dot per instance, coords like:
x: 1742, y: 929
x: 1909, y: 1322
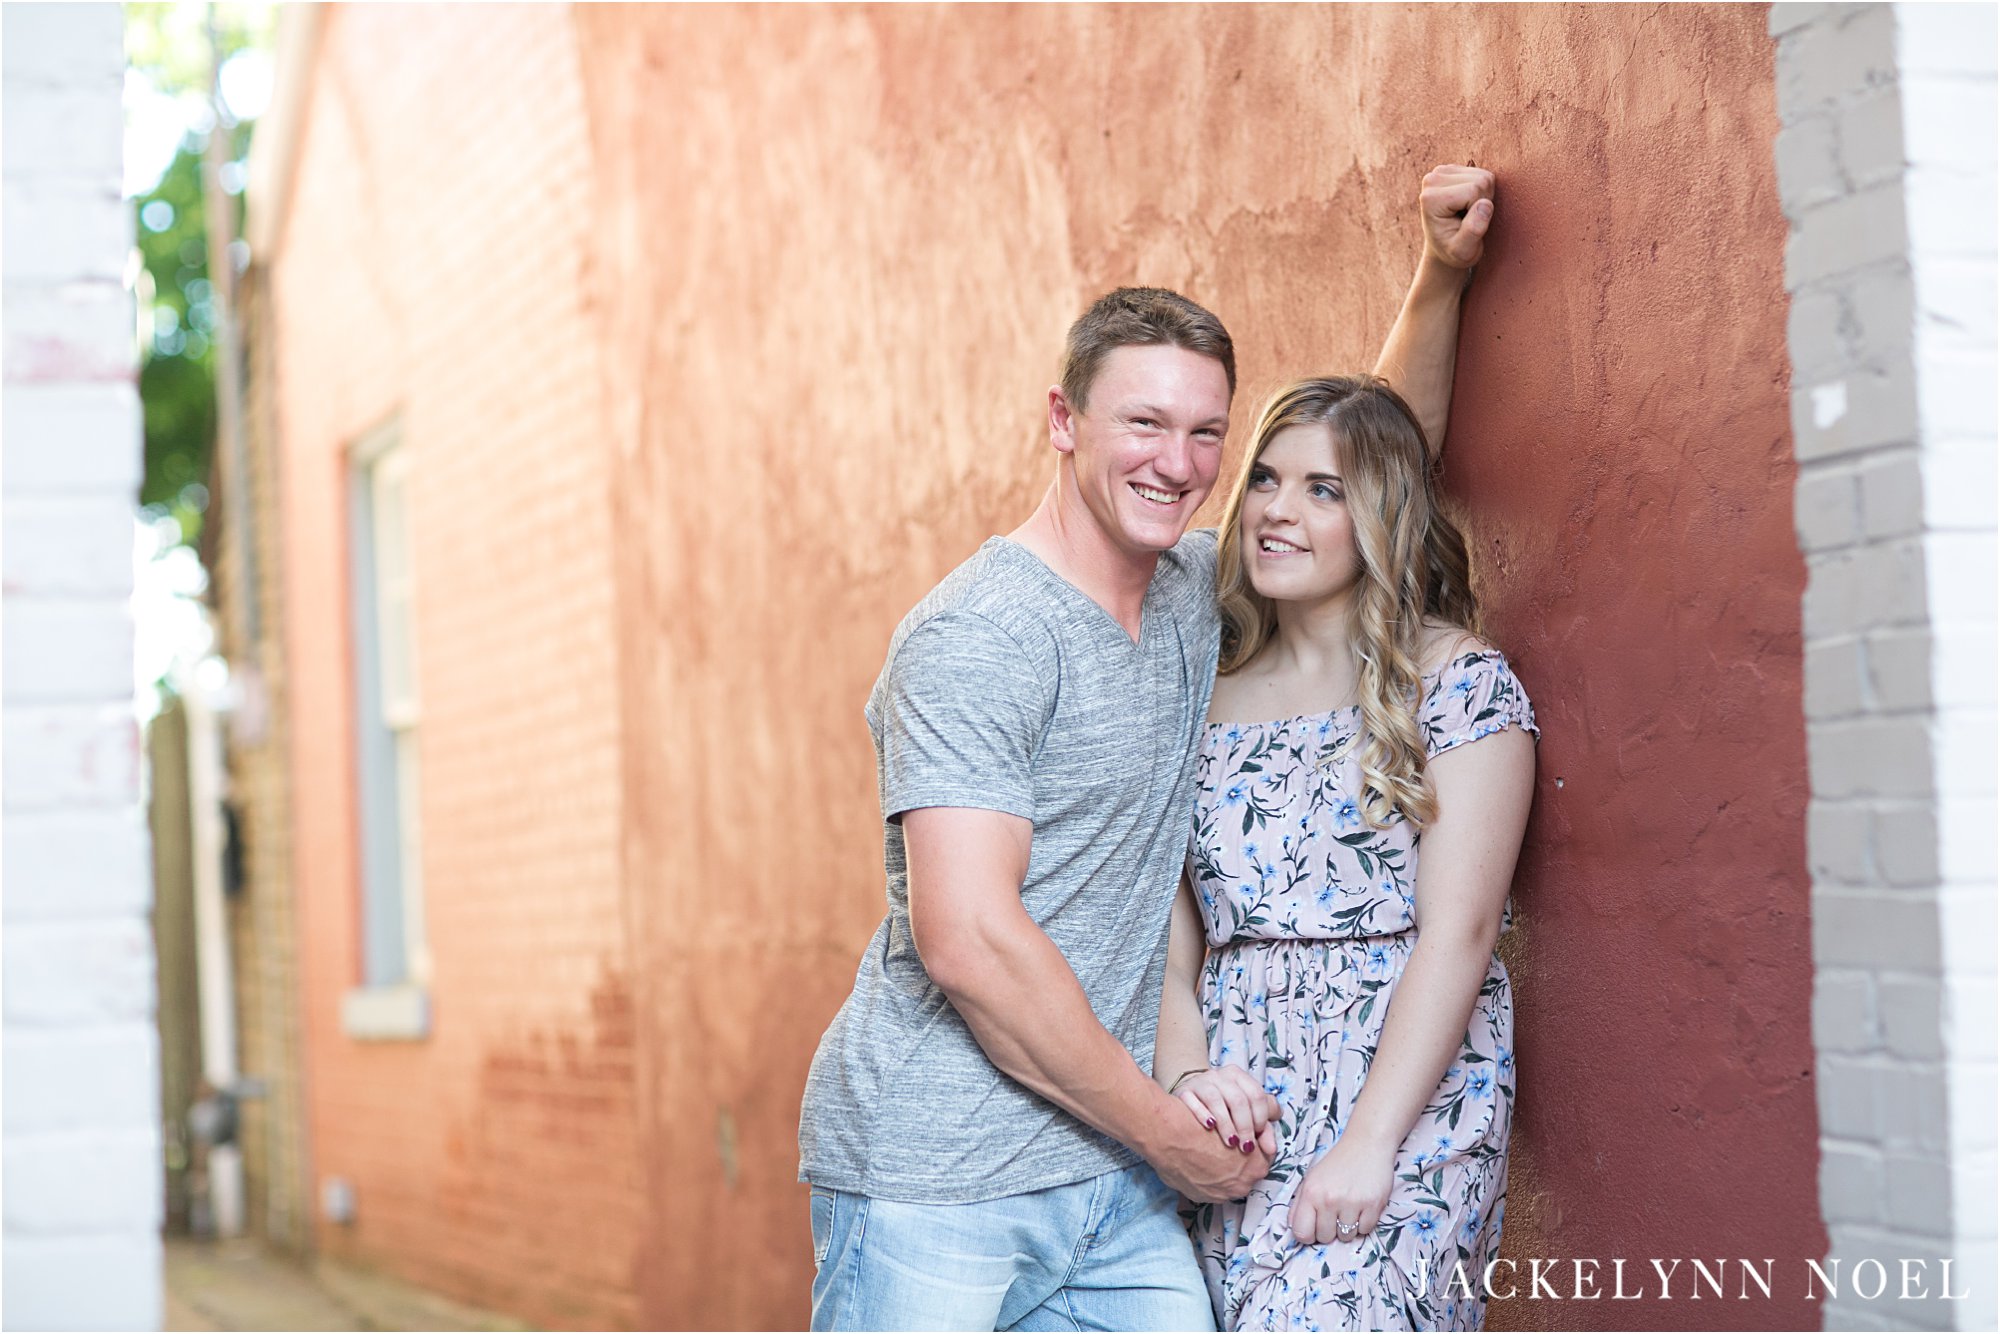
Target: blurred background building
x: 590, y: 390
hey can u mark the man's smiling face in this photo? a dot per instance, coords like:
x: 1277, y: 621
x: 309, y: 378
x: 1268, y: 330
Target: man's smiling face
x: 1147, y: 446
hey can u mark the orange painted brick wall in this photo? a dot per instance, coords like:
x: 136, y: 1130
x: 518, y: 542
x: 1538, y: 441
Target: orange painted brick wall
x: 432, y: 269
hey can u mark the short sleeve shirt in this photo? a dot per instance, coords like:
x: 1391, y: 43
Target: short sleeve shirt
x: 1008, y: 689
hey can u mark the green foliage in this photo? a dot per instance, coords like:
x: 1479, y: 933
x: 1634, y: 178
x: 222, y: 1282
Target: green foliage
x: 168, y: 45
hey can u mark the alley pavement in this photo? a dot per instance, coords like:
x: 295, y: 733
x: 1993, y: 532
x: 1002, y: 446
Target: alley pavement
x: 242, y: 1285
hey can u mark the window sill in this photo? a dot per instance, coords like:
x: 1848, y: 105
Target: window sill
x: 399, y: 1013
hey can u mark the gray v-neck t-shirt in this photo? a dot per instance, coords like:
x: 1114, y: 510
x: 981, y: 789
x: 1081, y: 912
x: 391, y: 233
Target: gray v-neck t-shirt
x: 1008, y: 689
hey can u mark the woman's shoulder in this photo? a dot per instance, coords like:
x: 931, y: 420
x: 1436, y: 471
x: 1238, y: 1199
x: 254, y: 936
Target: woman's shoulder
x: 1469, y: 691
x: 1444, y: 646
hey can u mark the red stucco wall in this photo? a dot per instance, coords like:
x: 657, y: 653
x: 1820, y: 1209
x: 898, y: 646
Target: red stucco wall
x: 840, y: 247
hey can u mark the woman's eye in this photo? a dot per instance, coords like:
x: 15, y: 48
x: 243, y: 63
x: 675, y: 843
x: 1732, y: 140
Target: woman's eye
x: 1258, y: 477
x: 1321, y: 491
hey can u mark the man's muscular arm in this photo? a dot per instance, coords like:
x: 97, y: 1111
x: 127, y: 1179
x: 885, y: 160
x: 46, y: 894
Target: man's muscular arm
x: 1418, y: 359
x: 1017, y: 994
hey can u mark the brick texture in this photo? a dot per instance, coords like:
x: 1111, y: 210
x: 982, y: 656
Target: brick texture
x: 433, y: 275
x: 1891, y: 276
x: 244, y: 556
x: 82, y: 1128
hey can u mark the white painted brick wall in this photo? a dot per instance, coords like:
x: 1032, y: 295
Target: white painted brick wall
x: 79, y: 1115
x: 67, y: 1274
x: 47, y: 429
x: 59, y: 1080
x: 71, y: 755
x: 67, y: 650
x: 83, y: 1182
x: 67, y: 545
x: 1885, y: 161
x: 42, y: 959
x: 75, y: 864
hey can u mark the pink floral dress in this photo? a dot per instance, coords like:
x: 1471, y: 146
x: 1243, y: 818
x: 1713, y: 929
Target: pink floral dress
x: 1310, y: 918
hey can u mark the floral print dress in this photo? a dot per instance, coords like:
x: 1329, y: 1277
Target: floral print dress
x: 1310, y: 918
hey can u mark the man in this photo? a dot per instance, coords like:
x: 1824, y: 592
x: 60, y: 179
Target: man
x: 986, y: 1146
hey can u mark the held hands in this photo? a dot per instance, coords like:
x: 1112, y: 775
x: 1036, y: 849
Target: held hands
x: 1457, y: 207
x: 1344, y: 1193
x: 1198, y: 1160
x: 1228, y: 1100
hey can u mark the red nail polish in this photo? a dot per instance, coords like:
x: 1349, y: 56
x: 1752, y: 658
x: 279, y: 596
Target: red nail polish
x: 1246, y: 1146
x: 1211, y: 1123
x: 1232, y: 1141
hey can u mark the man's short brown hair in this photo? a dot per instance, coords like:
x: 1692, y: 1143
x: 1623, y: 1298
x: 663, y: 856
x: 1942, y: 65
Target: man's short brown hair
x: 1136, y: 317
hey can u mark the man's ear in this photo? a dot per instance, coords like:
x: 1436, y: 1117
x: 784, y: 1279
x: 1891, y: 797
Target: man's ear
x: 1062, y: 421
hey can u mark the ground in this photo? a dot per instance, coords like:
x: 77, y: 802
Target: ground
x: 243, y: 1285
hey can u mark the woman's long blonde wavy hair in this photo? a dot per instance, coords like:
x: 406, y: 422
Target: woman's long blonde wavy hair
x: 1414, y: 571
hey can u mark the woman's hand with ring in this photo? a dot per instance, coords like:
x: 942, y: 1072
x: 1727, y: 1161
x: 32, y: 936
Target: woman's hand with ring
x: 1344, y: 1194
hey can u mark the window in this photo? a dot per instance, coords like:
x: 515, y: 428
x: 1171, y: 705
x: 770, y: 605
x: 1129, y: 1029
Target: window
x: 392, y: 1000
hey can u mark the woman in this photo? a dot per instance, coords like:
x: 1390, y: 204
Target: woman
x: 1351, y: 692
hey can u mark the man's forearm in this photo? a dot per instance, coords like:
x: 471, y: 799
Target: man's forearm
x: 1421, y: 352
x: 1018, y: 995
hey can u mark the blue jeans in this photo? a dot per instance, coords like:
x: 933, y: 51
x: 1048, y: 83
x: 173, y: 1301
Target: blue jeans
x: 1107, y: 1253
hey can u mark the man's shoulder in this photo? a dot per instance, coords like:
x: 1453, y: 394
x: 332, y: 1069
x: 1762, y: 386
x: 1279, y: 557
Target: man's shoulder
x: 989, y: 615
x: 1190, y: 563
x: 1196, y: 546
x: 996, y: 591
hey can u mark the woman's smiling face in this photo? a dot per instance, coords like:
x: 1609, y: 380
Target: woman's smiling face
x: 1296, y: 533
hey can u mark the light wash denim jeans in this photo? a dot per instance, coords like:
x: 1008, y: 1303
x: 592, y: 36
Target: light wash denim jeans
x: 1107, y: 1253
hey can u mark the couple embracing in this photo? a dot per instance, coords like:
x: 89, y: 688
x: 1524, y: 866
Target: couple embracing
x: 1168, y: 1027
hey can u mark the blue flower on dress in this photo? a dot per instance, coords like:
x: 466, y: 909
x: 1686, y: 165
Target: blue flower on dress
x: 1443, y: 1145
x: 1504, y: 1061
x: 1278, y: 1084
x: 1470, y: 1231
x: 1324, y: 730
x: 1236, y: 794
x: 1423, y: 1160
x: 1347, y: 814
x: 1378, y: 960
x: 1462, y: 687
x: 1425, y: 1225
x: 1480, y: 1084
x: 1233, y: 735
x: 1327, y: 894
x: 1250, y: 853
